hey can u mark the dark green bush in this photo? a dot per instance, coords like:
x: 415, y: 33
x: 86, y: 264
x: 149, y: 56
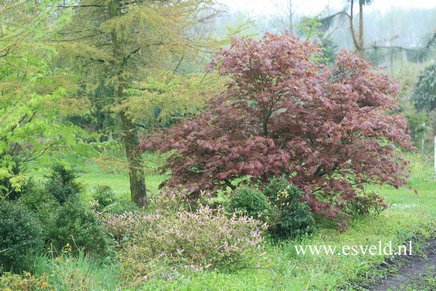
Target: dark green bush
x: 104, y: 196
x: 20, y: 237
x: 424, y: 96
x: 291, y: 217
x: 365, y: 204
x: 69, y: 226
x: 78, y: 229
x: 62, y: 183
x: 275, y: 186
x: 44, y: 206
x: 251, y: 202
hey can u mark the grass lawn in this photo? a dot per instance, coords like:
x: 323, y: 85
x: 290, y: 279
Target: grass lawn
x: 92, y: 176
x: 118, y: 182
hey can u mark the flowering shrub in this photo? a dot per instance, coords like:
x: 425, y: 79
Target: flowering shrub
x: 172, y: 201
x: 123, y: 226
x: 161, y: 244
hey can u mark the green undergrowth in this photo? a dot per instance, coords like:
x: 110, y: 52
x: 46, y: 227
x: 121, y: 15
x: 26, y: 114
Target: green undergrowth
x: 409, y: 215
x: 289, y: 271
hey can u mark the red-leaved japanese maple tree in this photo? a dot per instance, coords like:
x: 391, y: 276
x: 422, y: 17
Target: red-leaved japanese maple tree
x: 329, y: 130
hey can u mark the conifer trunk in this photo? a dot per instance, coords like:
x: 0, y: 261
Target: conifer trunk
x: 138, y: 190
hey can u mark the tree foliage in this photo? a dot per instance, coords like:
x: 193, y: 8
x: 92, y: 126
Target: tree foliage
x: 311, y: 29
x: 424, y: 96
x: 131, y: 52
x: 329, y: 131
x: 30, y: 92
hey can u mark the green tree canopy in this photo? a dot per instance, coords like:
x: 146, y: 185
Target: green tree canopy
x: 30, y: 92
x: 134, y: 50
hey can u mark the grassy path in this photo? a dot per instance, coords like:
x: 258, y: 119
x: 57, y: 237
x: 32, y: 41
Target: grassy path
x: 415, y: 273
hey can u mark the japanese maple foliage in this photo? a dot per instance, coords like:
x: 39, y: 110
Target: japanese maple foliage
x: 329, y: 130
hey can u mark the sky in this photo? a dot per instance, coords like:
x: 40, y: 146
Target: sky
x: 312, y: 7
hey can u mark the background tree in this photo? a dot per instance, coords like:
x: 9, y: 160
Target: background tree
x: 358, y: 38
x: 424, y: 101
x: 387, y: 38
x: 424, y: 96
x: 30, y: 92
x: 328, y: 131
x: 310, y: 28
x: 118, y: 46
x: 360, y: 43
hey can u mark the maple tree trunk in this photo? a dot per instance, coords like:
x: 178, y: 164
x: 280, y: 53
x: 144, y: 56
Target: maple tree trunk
x: 138, y: 190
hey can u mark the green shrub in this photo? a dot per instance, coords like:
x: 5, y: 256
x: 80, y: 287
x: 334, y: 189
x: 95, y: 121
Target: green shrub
x: 20, y: 237
x: 424, y: 96
x: 79, y: 228
x: 104, y: 196
x: 251, y: 202
x: 291, y: 217
x: 163, y: 245
x: 44, y: 206
x: 276, y: 186
x: 27, y: 282
x: 62, y: 184
x: 365, y: 204
x: 219, y: 199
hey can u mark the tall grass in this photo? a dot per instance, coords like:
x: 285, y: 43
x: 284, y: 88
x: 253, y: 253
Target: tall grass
x: 80, y: 272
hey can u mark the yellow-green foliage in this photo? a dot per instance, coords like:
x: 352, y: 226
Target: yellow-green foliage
x: 30, y: 91
x: 173, y: 94
x: 27, y: 282
x: 149, y: 42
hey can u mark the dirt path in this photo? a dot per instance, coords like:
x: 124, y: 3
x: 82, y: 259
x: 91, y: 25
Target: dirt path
x: 415, y: 272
